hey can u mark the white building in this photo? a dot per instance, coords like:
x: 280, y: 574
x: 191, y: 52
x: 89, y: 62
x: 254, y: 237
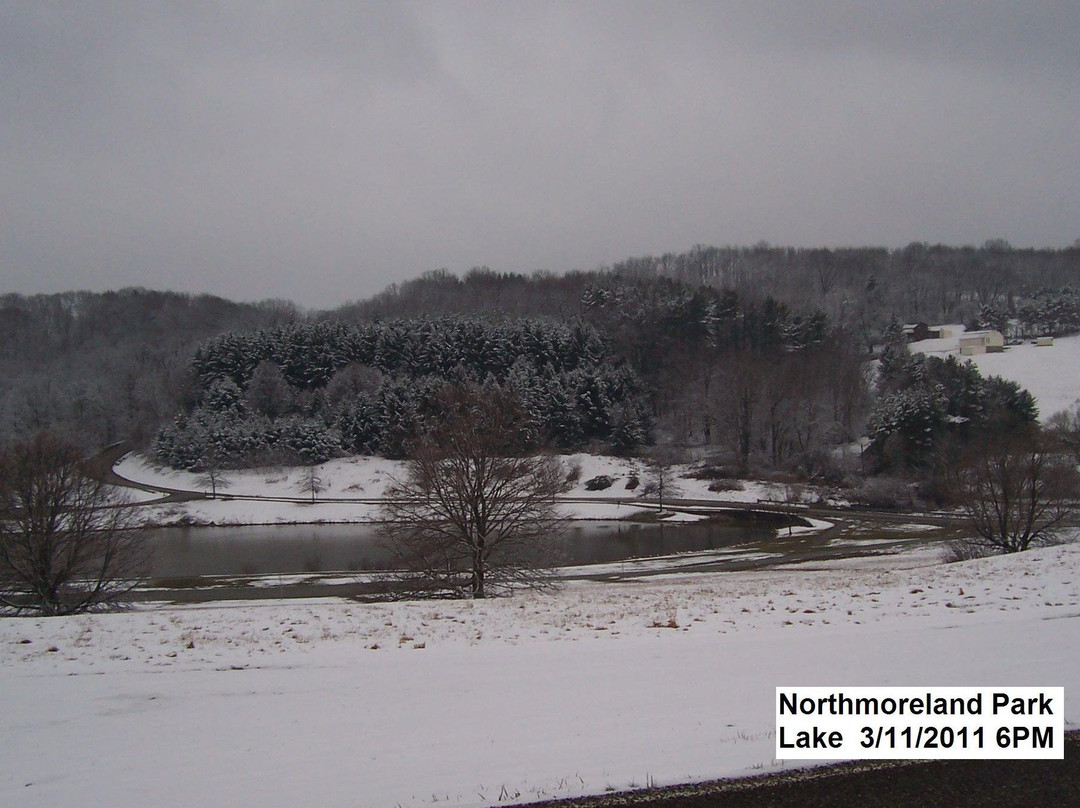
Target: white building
x: 980, y: 342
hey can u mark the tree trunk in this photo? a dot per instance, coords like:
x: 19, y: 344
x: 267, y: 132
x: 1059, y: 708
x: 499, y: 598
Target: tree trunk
x: 745, y: 431
x: 478, y: 572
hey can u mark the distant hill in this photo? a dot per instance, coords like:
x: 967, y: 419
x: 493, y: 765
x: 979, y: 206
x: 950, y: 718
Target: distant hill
x: 102, y: 367
x: 116, y: 365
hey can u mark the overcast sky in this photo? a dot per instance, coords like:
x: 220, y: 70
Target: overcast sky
x: 319, y: 151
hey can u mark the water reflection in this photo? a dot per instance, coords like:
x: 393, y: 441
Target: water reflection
x: 268, y: 549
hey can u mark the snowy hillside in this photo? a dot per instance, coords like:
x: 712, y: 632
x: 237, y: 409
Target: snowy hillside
x: 1051, y: 374
x: 353, y: 484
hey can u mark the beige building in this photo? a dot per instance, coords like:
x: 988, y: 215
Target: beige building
x: 980, y: 342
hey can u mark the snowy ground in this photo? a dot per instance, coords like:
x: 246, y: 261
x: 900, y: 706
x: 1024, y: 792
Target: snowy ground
x: 1048, y: 373
x: 353, y: 485
x: 599, y: 686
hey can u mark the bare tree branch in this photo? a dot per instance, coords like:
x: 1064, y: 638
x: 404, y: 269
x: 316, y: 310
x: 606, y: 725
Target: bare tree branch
x: 474, y: 515
x: 1016, y: 495
x: 67, y: 541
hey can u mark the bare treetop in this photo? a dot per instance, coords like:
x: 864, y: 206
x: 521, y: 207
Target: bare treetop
x: 67, y: 543
x: 1016, y: 494
x: 473, y: 512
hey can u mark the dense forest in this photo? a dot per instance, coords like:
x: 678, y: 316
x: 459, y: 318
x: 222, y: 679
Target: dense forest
x: 105, y: 367
x: 309, y: 391
x: 761, y: 353
x: 862, y: 288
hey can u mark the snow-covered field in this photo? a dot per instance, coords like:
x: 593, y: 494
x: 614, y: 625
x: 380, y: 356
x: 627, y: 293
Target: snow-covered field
x: 596, y: 687
x: 352, y: 486
x: 1048, y: 373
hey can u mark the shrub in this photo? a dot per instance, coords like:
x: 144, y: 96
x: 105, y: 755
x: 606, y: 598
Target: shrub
x: 885, y: 493
x: 961, y: 550
x: 599, y: 483
x: 725, y: 485
x: 709, y: 472
x: 817, y: 466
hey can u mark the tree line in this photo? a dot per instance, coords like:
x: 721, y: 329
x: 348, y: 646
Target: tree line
x: 641, y: 360
x: 758, y: 350
x: 312, y: 390
x: 862, y: 288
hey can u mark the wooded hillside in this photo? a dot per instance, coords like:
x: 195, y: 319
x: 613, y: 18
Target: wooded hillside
x: 759, y: 351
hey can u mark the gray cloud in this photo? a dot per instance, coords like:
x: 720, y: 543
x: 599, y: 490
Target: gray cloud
x: 320, y: 151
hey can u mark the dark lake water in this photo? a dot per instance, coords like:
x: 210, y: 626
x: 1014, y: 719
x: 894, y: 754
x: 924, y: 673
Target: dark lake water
x: 267, y: 549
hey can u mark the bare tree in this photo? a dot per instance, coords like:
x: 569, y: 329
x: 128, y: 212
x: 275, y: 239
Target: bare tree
x: 474, y: 514
x: 661, y: 480
x: 214, y: 478
x: 67, y: 544
x: 1015, y: 494
x: 268, y: 393
x: 212, y: 474
x: 311, y: 482
x: 1064, y: 428
x: 738, y: 402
